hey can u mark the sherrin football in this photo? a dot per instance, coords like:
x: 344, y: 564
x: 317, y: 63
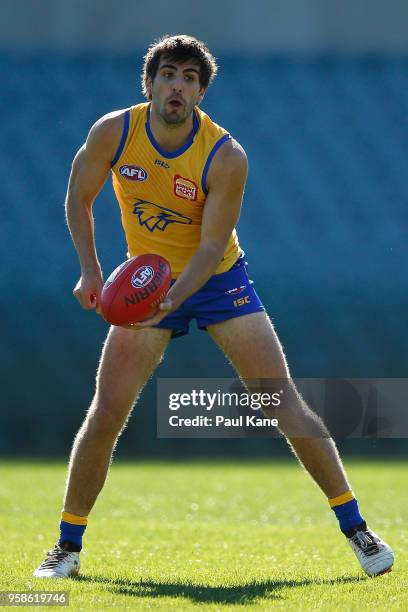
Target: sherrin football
x: 134, y: 290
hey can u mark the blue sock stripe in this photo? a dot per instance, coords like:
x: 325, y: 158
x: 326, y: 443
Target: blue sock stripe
x: 348, y: 515
x: 71, y: 533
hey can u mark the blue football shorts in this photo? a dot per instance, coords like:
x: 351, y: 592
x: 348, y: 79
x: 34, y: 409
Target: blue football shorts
x: 224, y: 296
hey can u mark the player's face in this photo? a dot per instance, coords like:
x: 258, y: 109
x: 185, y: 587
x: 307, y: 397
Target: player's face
x: 175, y: 91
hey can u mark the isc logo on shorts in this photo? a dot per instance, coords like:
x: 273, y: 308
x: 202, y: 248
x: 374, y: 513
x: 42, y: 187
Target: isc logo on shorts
x: 184, y: 188
x: 242, y: 301
x: 133, y: 173
x: 142, y: 277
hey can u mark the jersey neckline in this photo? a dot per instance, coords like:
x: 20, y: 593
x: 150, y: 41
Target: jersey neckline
x: 181, y: 150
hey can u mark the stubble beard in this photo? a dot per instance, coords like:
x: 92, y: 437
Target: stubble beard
x: 174, y: 118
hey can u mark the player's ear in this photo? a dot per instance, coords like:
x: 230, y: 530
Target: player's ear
x: 201, y: 95
x: 149, y: 85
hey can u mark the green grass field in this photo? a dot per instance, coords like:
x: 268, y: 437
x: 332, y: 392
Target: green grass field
x: 207, y: 535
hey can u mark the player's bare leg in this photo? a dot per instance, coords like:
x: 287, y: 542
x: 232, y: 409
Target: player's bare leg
x: 128, y: 360
x: 252, y: 346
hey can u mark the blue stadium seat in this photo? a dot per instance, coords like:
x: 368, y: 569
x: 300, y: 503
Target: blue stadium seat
x: 325, y: 217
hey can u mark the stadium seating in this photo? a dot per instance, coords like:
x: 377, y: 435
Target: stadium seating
x: 323, y: 225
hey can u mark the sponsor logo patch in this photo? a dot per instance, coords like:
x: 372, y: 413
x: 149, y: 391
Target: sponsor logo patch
x: 142, y: 277
x: 184, y: 188
x: 236, y: 290
x: 133, y: 173
x: 154, y: 217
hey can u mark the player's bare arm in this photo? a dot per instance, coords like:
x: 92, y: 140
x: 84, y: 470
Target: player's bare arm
x: 90, y: 169
x: 226, y: 183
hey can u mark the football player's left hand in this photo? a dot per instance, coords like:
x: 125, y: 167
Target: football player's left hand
x: 165, y: 308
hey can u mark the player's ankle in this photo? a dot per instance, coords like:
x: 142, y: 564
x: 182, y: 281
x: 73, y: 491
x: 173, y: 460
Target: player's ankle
x: 347, y: 512
x: 70, y: 546
x: 72, y: 528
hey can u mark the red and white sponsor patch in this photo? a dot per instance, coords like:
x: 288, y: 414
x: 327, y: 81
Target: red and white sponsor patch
x: 236, y: 290
x: 184, y: 188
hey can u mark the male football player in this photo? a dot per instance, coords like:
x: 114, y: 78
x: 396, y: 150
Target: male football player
x: 179, y: 179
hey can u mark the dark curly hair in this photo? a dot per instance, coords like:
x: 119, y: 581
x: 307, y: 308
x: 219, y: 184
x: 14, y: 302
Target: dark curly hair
x: 179, y: 48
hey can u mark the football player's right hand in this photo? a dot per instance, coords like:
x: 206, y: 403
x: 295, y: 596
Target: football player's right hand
x: 88, y: 291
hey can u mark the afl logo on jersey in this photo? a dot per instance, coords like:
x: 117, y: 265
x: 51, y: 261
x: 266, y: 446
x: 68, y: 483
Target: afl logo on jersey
x: 133, y: 173
x: 142, y: 277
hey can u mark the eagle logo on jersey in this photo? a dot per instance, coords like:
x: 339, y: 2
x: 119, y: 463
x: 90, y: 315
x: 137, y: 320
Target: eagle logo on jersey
x: 152, y: 216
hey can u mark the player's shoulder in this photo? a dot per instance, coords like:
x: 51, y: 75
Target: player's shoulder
x: 227, y: 147
x: 105, y: 135
x: 232, y: 152
x: 229, y: 166
x: 109, y: 126
x: 230, y: 157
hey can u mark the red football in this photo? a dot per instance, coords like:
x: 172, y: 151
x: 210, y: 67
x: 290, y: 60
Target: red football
x: 135, y: 289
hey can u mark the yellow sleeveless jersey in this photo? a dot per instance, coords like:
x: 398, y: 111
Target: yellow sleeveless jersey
x: 161, y: 194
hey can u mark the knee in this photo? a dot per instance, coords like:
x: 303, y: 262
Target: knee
x: 105, y: 419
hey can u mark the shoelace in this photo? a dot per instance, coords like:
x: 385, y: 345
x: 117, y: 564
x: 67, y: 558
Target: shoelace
x: 54, y: 556
x: 366, y: 542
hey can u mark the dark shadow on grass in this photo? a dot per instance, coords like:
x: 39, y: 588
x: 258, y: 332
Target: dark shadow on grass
x: 201, y: 593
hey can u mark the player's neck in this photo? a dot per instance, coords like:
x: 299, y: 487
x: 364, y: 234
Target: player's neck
x: 170, y: 137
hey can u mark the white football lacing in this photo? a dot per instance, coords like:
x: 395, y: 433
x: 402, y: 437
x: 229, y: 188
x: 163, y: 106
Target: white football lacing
x: 366, y: 542
x: 54, y: 556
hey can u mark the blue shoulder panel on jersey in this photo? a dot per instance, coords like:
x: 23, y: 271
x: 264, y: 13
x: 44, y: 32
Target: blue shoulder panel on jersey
x: 210, y: 158
x: 123, y: 139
